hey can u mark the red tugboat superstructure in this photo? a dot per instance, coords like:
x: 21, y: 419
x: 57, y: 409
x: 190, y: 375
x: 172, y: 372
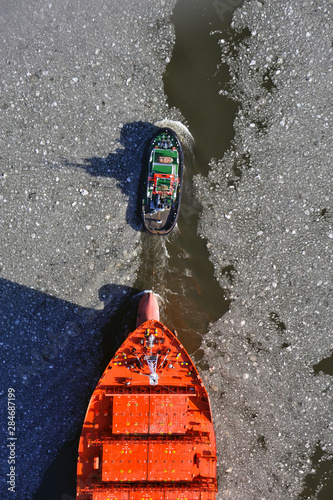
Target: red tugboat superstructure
x: 148, y: 432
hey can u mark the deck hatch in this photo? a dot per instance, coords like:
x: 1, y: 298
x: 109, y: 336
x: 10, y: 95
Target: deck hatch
x: 185, y: 495
x: 124, y: 461
x: 168, y: 414
x: 170, y: 461
x: 130, y: 414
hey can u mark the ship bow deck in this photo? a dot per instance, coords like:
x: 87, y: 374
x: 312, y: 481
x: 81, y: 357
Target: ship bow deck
x: 148, y: 431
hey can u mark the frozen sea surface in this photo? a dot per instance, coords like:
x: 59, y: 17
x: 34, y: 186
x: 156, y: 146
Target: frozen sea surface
x: 81, y: 86
x: 267, y: 216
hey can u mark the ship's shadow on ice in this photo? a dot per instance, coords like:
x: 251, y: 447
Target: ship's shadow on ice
x: 124, y: 165
x: 53, y: 353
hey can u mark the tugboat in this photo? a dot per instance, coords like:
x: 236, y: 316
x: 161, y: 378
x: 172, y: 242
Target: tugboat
x: 148, y: 432
x: 162, y: 182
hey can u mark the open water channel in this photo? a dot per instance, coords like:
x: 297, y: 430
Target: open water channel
x: 177, y: 267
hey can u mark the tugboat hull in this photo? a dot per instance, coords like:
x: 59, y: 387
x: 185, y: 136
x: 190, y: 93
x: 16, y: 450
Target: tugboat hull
x: 162, y: 182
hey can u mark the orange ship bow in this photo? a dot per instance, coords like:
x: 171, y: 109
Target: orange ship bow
x: 148, y: 431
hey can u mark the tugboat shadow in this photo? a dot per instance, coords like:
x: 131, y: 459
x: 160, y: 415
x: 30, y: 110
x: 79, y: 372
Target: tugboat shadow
x: 124, y: 165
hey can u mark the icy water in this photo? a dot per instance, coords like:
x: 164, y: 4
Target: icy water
x: 177, y: 267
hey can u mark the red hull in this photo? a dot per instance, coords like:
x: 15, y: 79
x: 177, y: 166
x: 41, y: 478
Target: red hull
x: 148, y: 309
x: 148, y: 431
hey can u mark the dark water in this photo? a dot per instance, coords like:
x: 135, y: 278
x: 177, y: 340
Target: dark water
x: 195, y: 76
